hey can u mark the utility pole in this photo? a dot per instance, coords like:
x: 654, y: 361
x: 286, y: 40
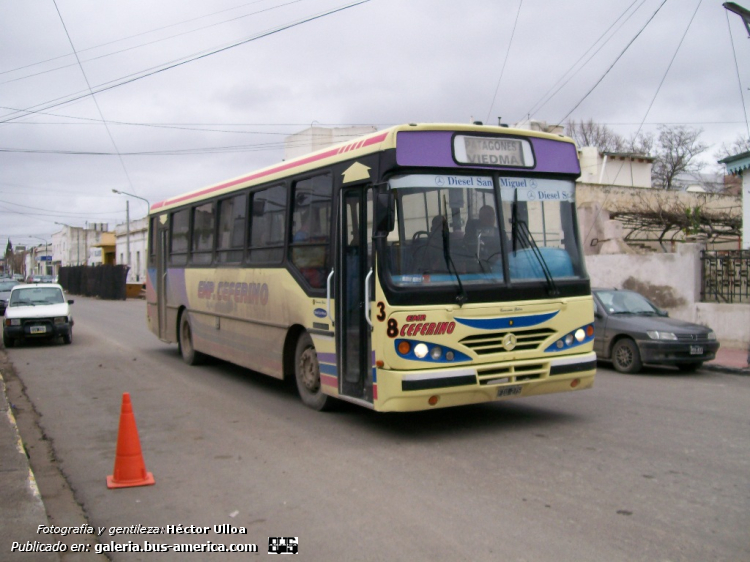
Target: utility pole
x: 127, y: 231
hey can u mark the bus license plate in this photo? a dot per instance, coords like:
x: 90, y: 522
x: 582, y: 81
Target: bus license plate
x: 696, y: 350
x: 509, y: 391
x: 38, y: 329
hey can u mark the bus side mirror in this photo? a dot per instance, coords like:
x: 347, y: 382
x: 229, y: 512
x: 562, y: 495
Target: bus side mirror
x: 385, y: 212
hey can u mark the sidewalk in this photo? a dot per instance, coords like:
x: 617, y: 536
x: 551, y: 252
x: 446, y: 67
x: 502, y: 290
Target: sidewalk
x: 730, y: 360
x: 23, y: 510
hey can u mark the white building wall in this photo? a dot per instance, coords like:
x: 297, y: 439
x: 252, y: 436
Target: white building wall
x: 138, y: 247
x: 676, y: 278
x: 618, y: 170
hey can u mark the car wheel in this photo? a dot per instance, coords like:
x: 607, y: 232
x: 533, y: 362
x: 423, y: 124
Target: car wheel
x: 7, y: 340
x: 185, y: 342
x: 68, y: 338
x: 690, y: 367
x: 625, y: 356
x: 307, y: 375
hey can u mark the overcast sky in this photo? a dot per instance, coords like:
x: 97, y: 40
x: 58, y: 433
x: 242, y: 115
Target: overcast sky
x: 381, y: 62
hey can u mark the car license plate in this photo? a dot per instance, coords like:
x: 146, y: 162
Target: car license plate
x: 38, y: 329
x: 509, y: 391
x: 696, y: 350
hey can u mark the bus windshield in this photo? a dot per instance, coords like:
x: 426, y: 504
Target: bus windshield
x: 451, y: 229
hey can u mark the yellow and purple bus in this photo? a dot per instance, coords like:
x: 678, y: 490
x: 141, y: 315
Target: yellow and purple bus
x: 419, y: 267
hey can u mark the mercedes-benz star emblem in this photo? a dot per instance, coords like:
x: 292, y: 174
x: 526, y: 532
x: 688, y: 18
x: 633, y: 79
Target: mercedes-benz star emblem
x: 509, y: 342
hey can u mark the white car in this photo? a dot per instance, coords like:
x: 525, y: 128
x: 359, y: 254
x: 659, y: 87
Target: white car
x: 35, y: 312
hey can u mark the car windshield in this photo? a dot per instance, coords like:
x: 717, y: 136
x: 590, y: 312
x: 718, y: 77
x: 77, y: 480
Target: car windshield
x: 34, y: 296
x: 625, y: 302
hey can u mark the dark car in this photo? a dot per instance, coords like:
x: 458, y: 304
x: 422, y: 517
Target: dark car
x: 5, y: 286
x: 629, y: 330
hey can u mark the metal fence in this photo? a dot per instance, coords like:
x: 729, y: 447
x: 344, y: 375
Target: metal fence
x: 725, y: 276
x: 103, y: 281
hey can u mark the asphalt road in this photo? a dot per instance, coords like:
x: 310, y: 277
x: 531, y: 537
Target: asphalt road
x: 653, y: 466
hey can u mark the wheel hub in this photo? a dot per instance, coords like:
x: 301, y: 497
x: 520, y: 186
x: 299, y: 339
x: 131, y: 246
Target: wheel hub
x: 309, y: 371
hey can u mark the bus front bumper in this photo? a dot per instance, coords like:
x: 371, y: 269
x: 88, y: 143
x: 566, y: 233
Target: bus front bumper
x: 400, y: 391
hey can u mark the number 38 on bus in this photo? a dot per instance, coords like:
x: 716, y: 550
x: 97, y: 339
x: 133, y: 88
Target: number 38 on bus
x: 419, y: 267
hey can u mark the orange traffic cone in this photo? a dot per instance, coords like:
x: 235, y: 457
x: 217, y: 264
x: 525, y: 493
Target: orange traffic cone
x: 130, y: 470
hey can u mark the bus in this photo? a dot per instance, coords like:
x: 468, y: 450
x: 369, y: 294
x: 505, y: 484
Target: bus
x: 422, y: 266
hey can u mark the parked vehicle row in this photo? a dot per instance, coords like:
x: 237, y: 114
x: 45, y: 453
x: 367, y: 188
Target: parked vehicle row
x: 629, y: 330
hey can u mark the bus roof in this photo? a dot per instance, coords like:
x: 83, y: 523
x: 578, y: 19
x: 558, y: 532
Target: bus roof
x: 361, y: 146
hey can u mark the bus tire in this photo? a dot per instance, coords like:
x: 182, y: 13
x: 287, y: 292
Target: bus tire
x: 185, y: 342
x: 625, y: 356
x: 307, y: 375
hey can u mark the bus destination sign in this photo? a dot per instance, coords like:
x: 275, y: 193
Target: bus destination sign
x: 493, y: 151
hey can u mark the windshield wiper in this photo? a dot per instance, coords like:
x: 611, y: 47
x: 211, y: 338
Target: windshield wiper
x: 523, y: 232
x: 461, y: 298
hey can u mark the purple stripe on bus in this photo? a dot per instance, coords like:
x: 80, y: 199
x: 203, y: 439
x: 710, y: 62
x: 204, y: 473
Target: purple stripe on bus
x: 433, y: 148
x: 327, y: 358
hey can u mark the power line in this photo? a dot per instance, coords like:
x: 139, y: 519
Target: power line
x: 677, y: 50
x: 507, y: 52
x: 739, y: 81
x: 156, y: 70
x: 614, y: 63
x: 93, y: 97
x: 536, y: 107
x: 155, y: 41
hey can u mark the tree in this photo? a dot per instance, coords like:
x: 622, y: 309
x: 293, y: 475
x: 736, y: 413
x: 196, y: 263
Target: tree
x: 741, y: 144
x: 589, y: 133
x: 676, y: 153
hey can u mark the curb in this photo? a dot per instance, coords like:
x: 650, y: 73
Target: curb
x: 5, y: 404
x: 726, y: 369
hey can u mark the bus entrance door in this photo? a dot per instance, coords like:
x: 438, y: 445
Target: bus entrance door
x: 353, y: 292
x: 161, y: 281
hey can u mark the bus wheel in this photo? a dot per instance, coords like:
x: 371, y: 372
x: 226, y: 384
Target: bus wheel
x: 307, y: 374
x: 185, y: 342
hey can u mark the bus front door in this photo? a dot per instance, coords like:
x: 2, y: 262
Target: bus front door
x: 161, y: 281
x: 353, y: 291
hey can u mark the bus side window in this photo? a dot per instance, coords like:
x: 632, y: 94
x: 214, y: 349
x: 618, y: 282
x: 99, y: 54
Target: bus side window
x: 178, y: 240
x: 267, y: 225
x: 204, y: 223
x: 311, y: 227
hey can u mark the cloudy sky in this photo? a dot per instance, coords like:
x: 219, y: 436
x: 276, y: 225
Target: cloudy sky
x: 168, y: 116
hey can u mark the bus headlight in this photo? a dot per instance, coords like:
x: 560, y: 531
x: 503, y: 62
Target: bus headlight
x: 580, y: 335
x: 420, y: 350
x: 436, y: 352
